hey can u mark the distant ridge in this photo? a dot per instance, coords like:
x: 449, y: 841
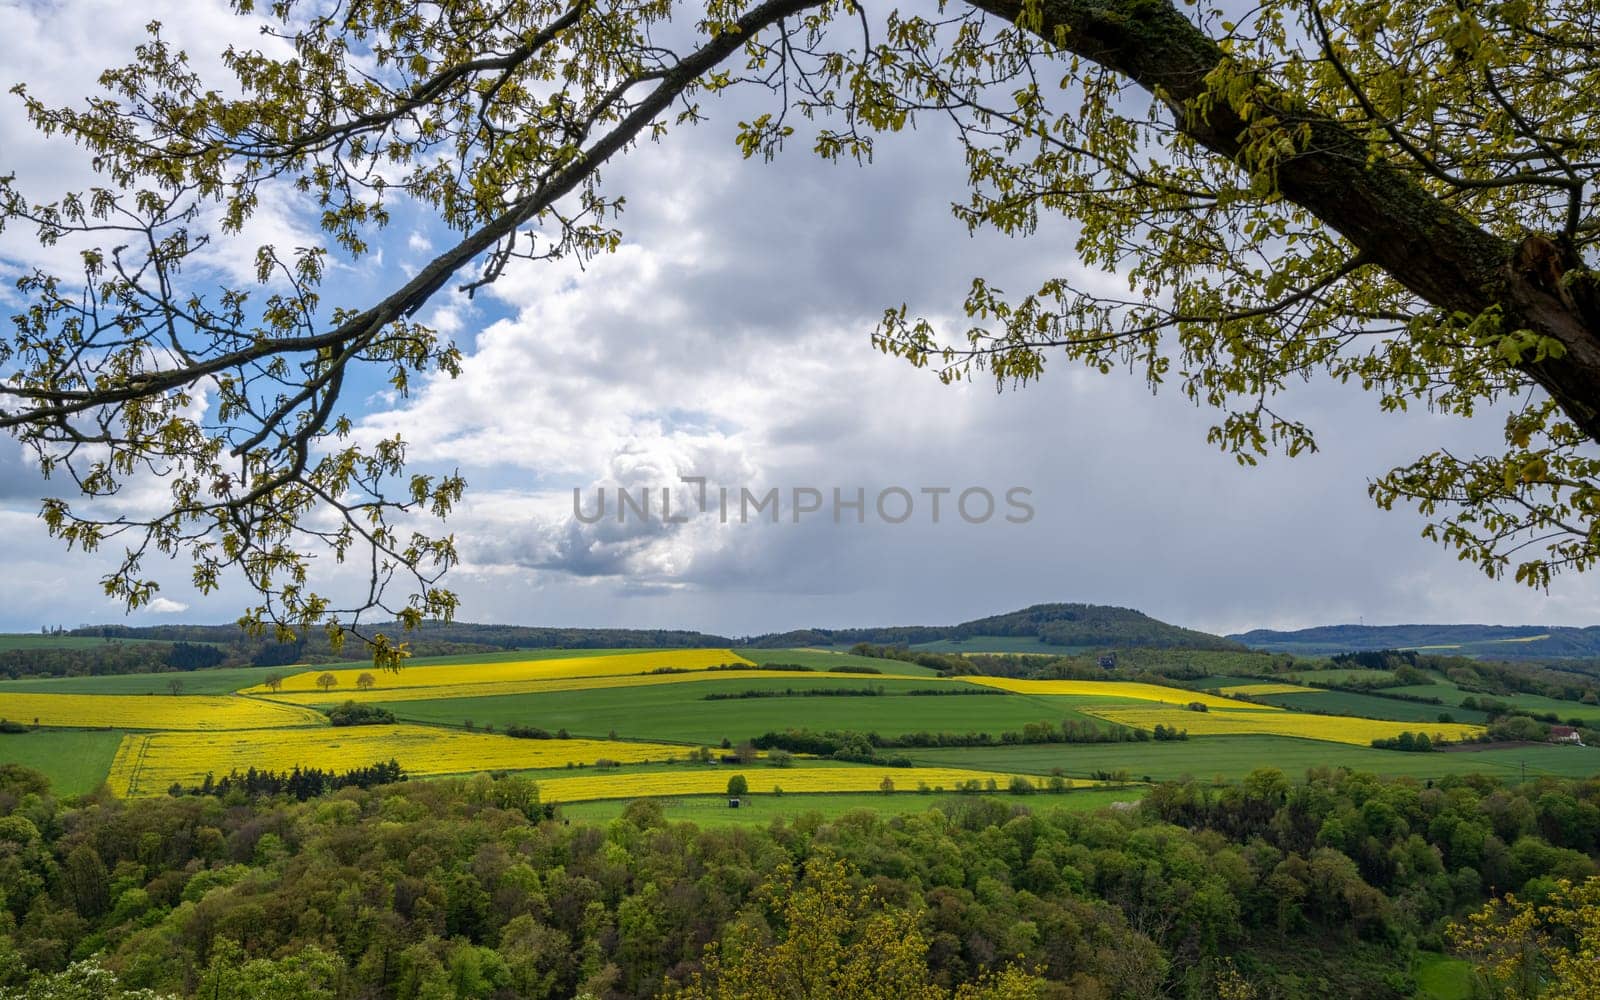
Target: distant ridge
x: 1502, y: 642
x: 1042, y: 627
x: 1049, y: 626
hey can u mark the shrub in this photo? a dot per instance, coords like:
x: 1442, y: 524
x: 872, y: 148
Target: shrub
x: 521, y: 732
x: 351, y: 714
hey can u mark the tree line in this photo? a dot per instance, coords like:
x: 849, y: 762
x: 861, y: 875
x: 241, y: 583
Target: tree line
x: 299, y: 783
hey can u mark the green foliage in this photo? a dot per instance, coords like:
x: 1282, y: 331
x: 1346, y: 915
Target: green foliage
x: 352, y: 714
x: 387, y: 105
x: 86, y: 980
x: 1545, y: 943
x: 826, y: 937
x: 1295, y: 195
x: 464, y: 888
x: 310, y: 974
x: 1407, y: 743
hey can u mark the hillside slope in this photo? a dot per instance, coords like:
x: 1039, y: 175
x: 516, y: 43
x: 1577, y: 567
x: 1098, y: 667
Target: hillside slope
x: 1054, y: 625
x: 1501, y: 642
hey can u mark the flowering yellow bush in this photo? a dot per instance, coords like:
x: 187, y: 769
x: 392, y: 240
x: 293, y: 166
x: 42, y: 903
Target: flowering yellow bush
x: 532, y: 669
x: 1129, y: 690
x: 148, y: 764
x: 1537, y: 949
x: 152, y: 711
x: 1336, y: 728
x: 762, y: 780
x: 389, y: 694
x: 1259, y: 689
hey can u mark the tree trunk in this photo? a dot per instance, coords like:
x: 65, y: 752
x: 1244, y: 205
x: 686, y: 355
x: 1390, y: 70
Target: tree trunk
x: 1439, y: 254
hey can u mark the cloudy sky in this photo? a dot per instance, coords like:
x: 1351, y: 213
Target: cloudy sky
x: 728, y: 339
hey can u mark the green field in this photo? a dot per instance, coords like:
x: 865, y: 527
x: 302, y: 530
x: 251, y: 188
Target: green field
x: 1453, y: 696
x: 1216, y: 681
x: 1233, y: 757
x: 1371, y: 706
x: 712, y: 810
x: 679, y: 712
x: 1440, y: 977
x: 75, y: 761
x: 1566, y: 710
x: 1450, y: 697
x: 218, y: 680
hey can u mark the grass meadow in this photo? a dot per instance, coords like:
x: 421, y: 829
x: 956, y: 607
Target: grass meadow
x: 1232, y: 757
x: 75, y: 761
x: 712, y: 810
x: 1373, y: 707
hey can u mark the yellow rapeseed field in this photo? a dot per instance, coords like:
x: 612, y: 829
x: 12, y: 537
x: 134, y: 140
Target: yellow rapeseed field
x: 762, y: 780
x: 382, y: 694
x: 436, y: 675
x: 1335, y: 728
x: 1267, y: 688
x: 1129, y: 690
x: 152, y: 711
x: 148, y: 764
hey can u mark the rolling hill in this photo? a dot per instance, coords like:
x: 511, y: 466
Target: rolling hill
x: 1500, y: 642
x: 1042, y: 627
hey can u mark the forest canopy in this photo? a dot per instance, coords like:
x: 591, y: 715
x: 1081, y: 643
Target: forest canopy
x: 464, y: 888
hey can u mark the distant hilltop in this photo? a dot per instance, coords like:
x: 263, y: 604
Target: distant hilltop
x: 1499, y: 642
x: 1058, y: 628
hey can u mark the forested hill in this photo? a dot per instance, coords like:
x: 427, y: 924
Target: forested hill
x: 458, y: 633
x: 1500, y: 642
x: 1080, y: 625
x: 1066, y: 625
x: 129, y: 649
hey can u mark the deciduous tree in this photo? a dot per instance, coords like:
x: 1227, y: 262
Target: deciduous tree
x: 1399, y: 196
